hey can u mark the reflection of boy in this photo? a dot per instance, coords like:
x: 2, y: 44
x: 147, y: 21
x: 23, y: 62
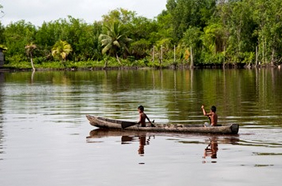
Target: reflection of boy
x: 212, y: 151
x: 212, y: 116
x: 143, y: 117
x: 142, y: 143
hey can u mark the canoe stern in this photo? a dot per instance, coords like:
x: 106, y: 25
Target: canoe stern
x: 234, y: 128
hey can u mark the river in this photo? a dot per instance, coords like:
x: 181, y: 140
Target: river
x: 45, y: 138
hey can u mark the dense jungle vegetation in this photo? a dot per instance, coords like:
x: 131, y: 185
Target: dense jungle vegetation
x: 187, y: 32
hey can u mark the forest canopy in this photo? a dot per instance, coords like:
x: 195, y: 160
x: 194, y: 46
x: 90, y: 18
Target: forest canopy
x: 205, y: 32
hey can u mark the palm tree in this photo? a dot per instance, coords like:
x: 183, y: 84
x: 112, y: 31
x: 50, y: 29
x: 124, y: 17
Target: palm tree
x: 29, y: 51
x: 61, y: 50
x: 114, y: 40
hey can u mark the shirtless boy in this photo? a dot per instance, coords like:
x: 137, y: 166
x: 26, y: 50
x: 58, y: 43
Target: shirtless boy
x: 212, y: 116
x: 143, y: 117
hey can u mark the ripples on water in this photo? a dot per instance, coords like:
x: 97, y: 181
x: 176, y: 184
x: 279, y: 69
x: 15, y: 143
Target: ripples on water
x: 45, y: 138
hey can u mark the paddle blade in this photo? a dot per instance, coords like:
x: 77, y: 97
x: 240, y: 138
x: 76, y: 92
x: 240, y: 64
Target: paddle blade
x: 127, y: 124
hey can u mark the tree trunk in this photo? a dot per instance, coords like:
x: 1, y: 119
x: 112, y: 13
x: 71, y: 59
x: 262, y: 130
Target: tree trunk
x: 106, y: 64
x: 153, y: 54
x: 174, y: 56
x: 256, y: 56
x: 161, y: 59
x: 118, y: 59
x: 192, y: 62
x: 272, y: 57
x: 224, y: 50
x: 31, y: 62
x: 64, y: 63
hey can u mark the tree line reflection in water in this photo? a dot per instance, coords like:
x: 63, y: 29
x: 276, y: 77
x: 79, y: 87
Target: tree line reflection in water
x: 173, y: 95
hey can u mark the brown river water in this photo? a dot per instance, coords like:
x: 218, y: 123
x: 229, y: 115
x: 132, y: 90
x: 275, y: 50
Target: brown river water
x: 45, y: 138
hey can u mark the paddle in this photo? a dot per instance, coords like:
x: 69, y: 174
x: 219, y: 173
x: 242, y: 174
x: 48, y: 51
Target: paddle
x: 207, y: 148
x: 129, y: 124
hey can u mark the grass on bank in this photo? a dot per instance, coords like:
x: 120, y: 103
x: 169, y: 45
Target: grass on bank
x: 111, y: 63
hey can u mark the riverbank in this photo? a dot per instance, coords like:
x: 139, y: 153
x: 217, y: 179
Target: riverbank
x: 91, y: 66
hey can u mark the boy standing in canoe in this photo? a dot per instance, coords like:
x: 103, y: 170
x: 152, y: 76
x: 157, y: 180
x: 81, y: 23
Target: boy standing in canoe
x: 212, y: 116
x: 143, y: 117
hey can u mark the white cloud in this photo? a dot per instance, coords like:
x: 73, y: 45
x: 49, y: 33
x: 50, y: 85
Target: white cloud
x: 38, y: 11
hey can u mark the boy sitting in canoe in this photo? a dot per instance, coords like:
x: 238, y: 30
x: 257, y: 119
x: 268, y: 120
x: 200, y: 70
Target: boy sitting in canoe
x: 143, y: 117
x: 212, y: 116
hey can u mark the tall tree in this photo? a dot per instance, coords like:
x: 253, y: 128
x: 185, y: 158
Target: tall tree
x: 191, y: 41
x: 267, y: 14
x: 119, y: 15
x: 17, y: 35
x: 241, y: 27
x: 29, y: 51
x: 141, y: 31
x: 114, y: 40
x: 189, y: 13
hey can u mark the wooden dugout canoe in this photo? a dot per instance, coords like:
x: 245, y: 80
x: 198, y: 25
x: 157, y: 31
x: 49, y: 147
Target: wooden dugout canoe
x: 176, y: 128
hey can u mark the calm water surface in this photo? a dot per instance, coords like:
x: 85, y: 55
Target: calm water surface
x: 45, y: 138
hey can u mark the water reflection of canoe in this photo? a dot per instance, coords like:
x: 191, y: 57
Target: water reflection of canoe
x: 104, y: 132
x: 176, y: 128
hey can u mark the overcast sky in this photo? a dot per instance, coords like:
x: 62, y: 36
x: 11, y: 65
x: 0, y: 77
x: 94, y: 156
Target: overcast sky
x: 38, y: 11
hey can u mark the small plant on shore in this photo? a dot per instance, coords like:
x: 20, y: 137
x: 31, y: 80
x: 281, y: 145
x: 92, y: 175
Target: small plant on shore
x: 61, y: 50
